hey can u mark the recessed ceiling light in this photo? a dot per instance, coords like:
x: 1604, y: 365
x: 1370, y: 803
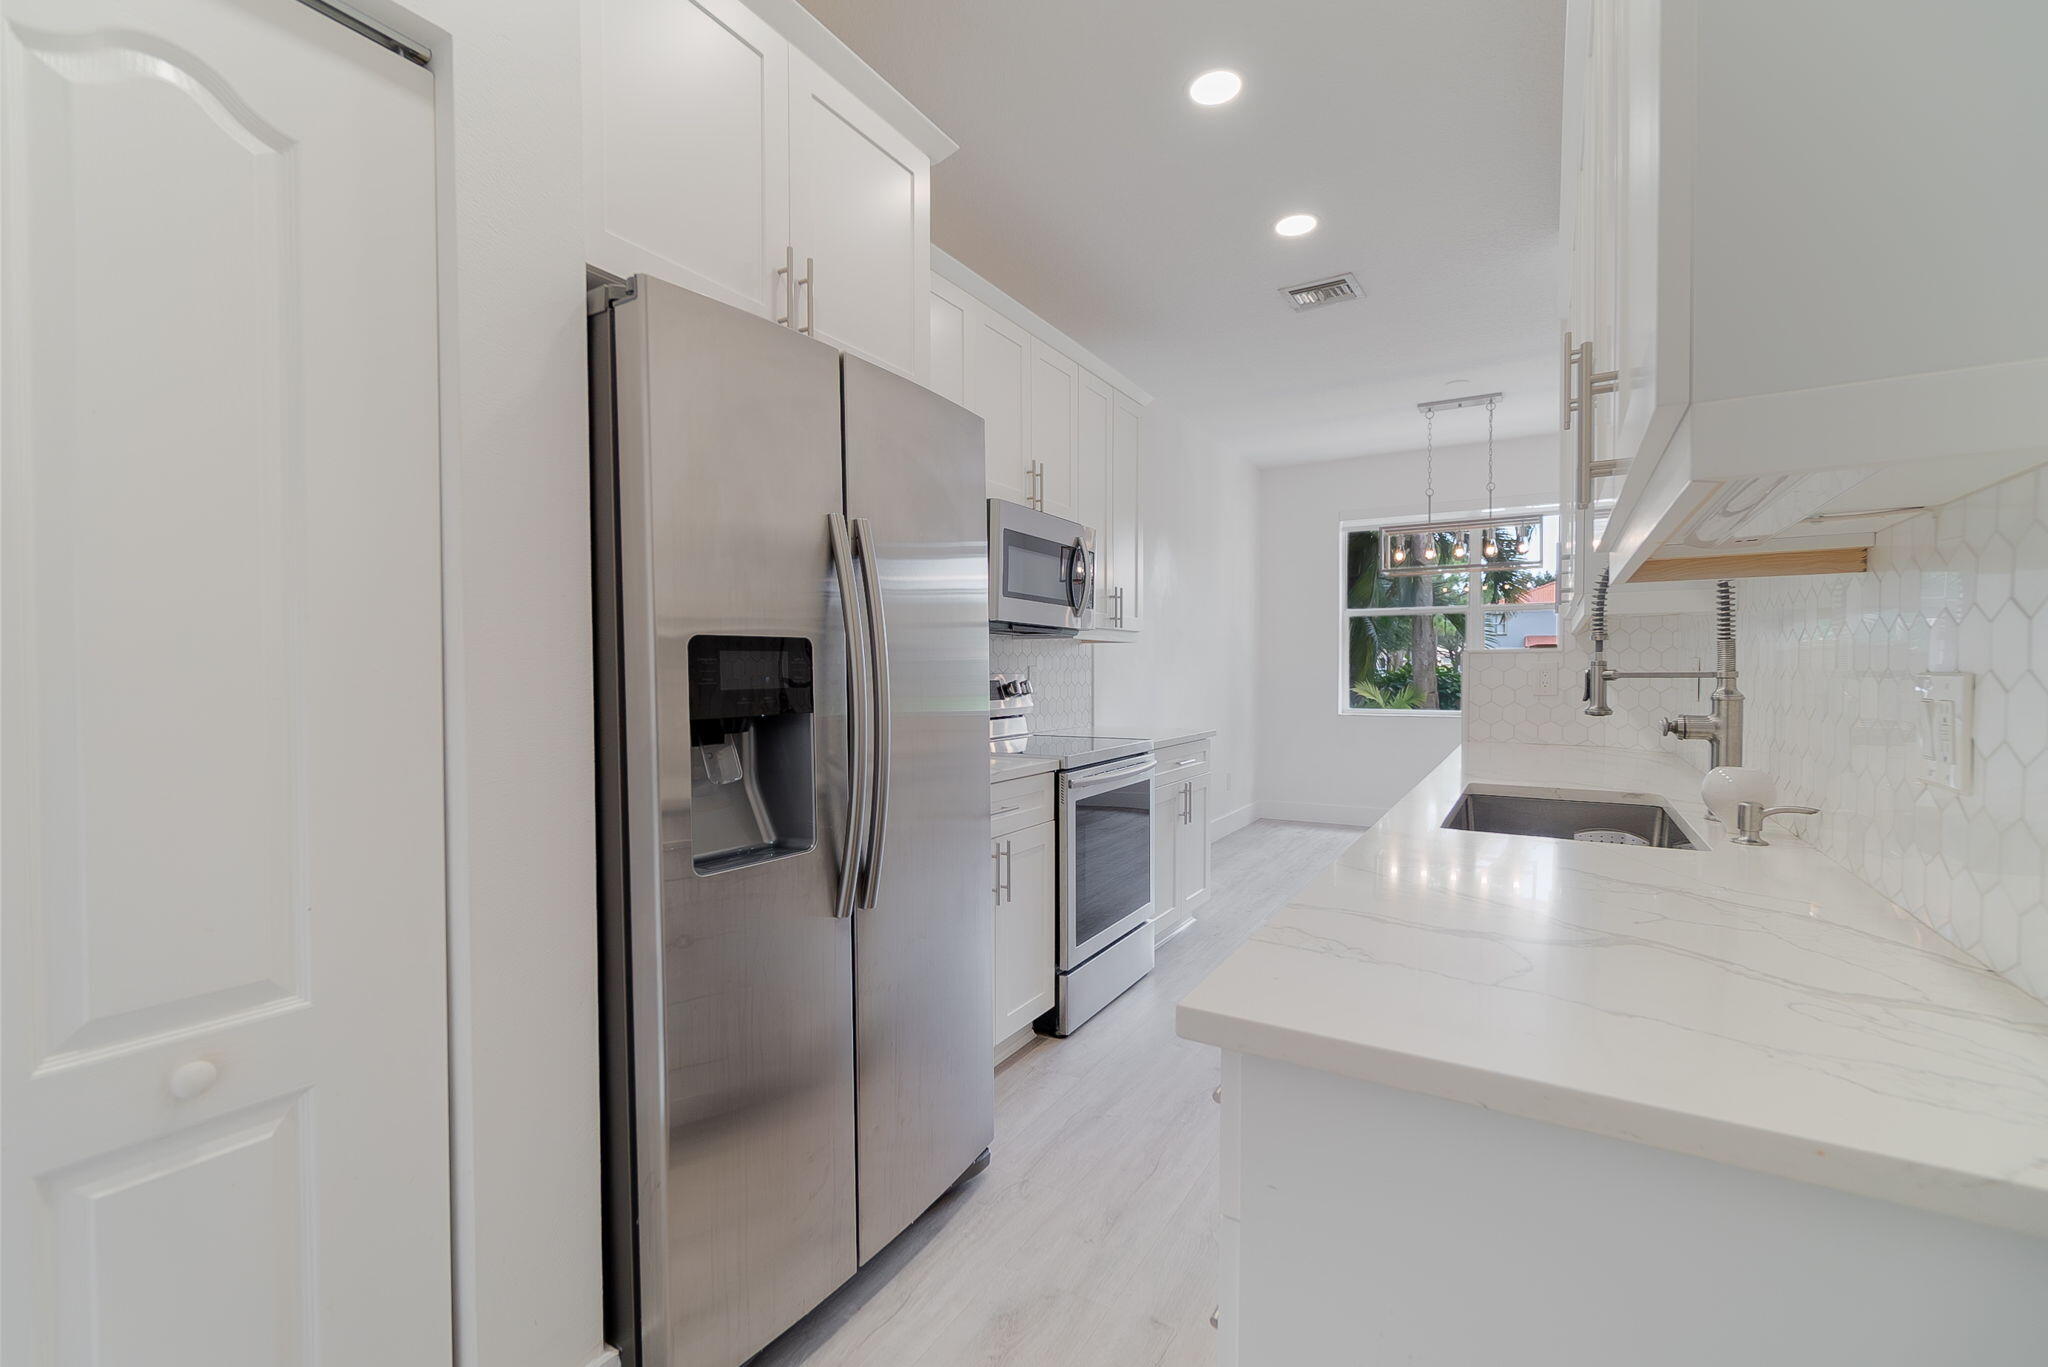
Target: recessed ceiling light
x: 1215, y: 87
x: 1294, y: 225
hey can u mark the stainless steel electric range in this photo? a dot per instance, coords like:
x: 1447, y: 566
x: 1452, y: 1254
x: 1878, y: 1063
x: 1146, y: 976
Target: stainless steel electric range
x: 1104, y: 812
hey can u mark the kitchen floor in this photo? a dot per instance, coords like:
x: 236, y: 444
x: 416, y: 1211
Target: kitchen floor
x: 1090, y: 1241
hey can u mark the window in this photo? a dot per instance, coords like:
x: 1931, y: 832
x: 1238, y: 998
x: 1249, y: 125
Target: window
x: 1392, y: 622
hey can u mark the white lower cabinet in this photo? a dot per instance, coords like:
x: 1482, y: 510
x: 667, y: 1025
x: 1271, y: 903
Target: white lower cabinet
x: 1180, y: 836
x: 1022, y: 865
x: 1021, y: 880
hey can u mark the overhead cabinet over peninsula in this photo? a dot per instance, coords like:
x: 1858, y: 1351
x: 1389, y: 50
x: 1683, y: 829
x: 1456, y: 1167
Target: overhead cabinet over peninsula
x: 1064, y: 428
x: 744, y: 152
x: 1802, y: 281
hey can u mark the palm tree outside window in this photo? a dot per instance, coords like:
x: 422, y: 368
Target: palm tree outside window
x: 1405, y: 636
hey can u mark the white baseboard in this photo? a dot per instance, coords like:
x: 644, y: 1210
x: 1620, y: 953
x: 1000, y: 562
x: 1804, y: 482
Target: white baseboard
x: 1321, y: 813
x: 608, y: 1358
x: 1233, y: 821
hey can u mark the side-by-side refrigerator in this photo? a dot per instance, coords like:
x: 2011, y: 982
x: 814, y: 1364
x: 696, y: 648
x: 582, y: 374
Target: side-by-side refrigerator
x: 792, y: 664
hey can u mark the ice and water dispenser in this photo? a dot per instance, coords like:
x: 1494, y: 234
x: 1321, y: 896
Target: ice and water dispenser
x: 751, y: 783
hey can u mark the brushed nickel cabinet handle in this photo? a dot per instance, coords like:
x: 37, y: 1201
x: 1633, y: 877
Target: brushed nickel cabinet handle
x: 810, y: 287
x: 786, y: 273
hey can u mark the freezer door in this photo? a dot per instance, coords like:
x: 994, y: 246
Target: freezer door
x: 922, y: 934
x: 718, y: 446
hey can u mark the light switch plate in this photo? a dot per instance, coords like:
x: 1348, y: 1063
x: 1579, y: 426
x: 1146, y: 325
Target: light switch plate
x: 1946, y: 726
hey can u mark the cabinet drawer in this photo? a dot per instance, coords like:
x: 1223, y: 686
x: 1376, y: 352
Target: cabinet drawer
x: 1178, y: 763
x: 1017, y: 803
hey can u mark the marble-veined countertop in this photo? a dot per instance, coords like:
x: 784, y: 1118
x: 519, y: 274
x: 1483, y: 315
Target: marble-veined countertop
x: 1758, y: 1007
x: 1001, y: 767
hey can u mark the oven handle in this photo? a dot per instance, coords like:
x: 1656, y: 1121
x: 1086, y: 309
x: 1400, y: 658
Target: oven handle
x: 1095, y: 780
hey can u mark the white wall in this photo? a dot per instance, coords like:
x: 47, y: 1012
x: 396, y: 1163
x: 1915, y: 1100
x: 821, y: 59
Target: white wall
x: 1193, y: 663
x: 1316, y: 764
x: 522, y: 945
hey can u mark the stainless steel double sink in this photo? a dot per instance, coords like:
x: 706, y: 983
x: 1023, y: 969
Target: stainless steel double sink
x: 1612, y: 821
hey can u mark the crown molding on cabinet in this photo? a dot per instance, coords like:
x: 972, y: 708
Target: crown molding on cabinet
x: 950, y: 268
x: 808, y: 35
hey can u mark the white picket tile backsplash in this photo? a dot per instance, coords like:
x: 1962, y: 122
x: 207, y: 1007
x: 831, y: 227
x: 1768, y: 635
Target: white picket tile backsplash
x: 1062, y: 672
x: 1828, y: 668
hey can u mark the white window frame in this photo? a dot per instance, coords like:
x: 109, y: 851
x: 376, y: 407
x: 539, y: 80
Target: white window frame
x: 1475, y: 611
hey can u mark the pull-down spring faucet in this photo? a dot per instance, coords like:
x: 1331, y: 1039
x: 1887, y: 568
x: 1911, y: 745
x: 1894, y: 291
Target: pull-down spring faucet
x: 1721, y: 728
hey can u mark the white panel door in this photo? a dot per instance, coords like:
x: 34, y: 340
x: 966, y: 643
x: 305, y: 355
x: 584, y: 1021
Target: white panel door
x: 1123, y: 528
x: 686, y: 147
x: 998, y: 372
x: 948, y: 376
x: 1025, y: 953
x: 860, y: 213
x: 1191, y: 848
x: 1055, y: 403
x: 223, y: 1076
x: 1091, y: 464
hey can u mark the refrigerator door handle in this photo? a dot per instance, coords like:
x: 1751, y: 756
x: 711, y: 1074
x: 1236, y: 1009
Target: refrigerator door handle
x: 859, y: 717
x: 878, y: 734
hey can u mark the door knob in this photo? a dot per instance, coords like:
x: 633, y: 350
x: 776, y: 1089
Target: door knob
x: 190, y: 1079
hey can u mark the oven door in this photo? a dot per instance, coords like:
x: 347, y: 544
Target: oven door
x: 1105, y: 857
x: 1041, y: 571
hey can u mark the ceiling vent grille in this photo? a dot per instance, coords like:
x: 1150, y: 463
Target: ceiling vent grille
x: 1322, y: 293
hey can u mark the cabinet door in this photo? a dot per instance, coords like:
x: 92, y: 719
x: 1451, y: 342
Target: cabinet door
x: 1025, y: 954
x: 1652, y: 271
x: 1122, y: 527
x: 948, y: 377
x: 686, y: 147
x: 860, y: 212
x: 1055, y: 404
x: 1191, y: 847
x: 1168, y: 805
x: 1091, y: 468
x: 998, y: 369
x: 223, y: 1092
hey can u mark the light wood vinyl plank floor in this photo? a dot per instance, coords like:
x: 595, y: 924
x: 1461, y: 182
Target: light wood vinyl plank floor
x: 1091, y: 1239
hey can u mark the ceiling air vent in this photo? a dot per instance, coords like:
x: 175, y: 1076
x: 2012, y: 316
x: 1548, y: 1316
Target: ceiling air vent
x: 1319, y: 293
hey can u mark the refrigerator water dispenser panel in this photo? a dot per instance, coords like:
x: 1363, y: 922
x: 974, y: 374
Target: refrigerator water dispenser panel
x: 751, y: 780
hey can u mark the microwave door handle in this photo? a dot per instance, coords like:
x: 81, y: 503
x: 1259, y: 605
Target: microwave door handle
x: 859, y: 711
x: 1077, y: 581
x: 878, y: 734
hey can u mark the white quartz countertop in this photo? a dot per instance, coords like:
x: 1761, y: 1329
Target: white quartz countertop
x: 1160, y: 736
x: 1758, y: 1007
x: 1001, y: 767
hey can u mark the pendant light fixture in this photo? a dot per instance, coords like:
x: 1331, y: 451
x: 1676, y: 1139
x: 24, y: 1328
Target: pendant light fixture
x: 1433, y: 547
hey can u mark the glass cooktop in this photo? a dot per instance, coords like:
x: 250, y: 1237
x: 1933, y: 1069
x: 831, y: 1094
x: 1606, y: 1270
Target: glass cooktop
x: 1072, y: 751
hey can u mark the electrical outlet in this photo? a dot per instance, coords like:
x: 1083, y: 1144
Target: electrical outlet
x: 1946, y: 723
x: 1543, y: 681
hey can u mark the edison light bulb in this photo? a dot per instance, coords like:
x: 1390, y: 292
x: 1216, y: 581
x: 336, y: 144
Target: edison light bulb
x: 1429, y: 551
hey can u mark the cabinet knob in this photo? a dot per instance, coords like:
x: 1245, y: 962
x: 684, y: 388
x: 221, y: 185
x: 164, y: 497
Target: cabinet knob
x: 192, y: 1078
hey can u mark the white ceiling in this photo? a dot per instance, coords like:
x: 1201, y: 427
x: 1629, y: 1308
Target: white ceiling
x: 1422, y: 133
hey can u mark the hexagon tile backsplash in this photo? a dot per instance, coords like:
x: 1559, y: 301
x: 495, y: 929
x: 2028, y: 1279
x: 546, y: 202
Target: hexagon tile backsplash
x: 1828, y: 668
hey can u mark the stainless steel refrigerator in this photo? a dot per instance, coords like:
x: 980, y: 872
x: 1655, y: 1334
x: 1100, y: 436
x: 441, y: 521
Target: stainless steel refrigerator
x: 792, y: 664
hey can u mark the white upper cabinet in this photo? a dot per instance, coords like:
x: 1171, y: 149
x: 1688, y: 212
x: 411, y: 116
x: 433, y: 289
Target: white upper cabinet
x: 1064, y: 429
x: 948, y: 377
x: 1055, y: 403
x: 721, y: 155
x: 1803, y: 272
x: 997, y: 361
x: 686, y: 147
x: 1122, y: 536
x: 1096, y: 401
x: 860, y: 215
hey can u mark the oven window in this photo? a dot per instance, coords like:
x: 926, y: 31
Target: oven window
x: 1035, y: 568
x: 1113, y: 858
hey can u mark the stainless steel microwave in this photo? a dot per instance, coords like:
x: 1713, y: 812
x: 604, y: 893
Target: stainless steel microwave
x: 1041, y: 572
